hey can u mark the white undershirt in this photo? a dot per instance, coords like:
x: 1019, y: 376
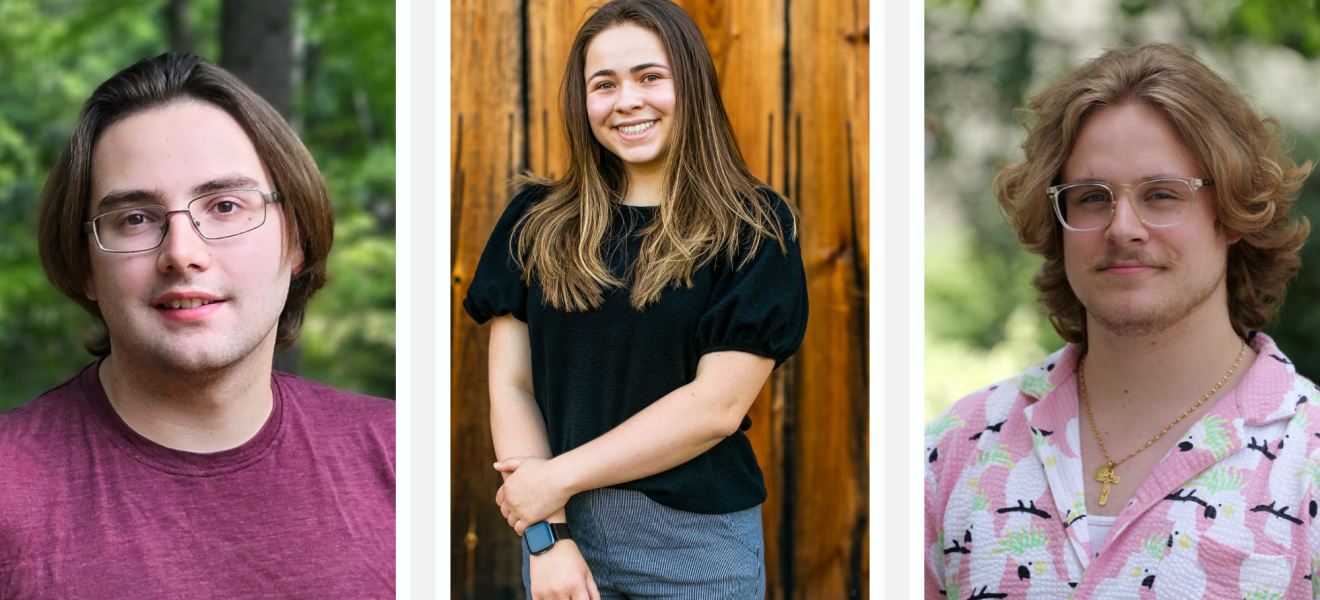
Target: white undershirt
x: 1099, y: 527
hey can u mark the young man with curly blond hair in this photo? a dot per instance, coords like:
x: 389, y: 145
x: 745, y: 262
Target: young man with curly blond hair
x: 1170, y: 445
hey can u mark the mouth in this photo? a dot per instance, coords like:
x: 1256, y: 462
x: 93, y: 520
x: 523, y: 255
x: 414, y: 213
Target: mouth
x: 1131, y: 265
x: 184, y: 303
x: 187, y: 307
x: 636, y: 128
x: 1129, y: 269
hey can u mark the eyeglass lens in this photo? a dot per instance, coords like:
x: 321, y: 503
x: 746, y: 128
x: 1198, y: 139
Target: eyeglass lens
x: 215, y: 216
x: 1161, y: 202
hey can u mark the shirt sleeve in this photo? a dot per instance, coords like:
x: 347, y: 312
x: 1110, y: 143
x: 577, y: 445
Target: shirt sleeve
x: 759, y: 307
x: 497, y: 287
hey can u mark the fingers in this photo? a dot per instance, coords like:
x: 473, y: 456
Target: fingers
x: 513, y: 521
x: 592, y: 592
x: 520, y: 527
x: 499, y: 496
x: 509, y: 465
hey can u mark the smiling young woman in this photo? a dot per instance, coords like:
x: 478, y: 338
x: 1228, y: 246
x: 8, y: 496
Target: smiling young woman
x: 639, y: 304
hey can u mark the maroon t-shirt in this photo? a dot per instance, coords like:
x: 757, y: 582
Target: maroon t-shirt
x: 89, y: 509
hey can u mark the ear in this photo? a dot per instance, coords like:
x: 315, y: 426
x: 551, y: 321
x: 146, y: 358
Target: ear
x: 89, y: 289
x: 298, y: 259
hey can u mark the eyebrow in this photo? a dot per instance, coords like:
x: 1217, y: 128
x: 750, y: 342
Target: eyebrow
x: 135, y: 197
x: 612, y: 73
x: 1142, y: 180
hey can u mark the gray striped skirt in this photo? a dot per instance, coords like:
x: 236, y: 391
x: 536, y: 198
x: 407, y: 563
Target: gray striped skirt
x: 638, y: 548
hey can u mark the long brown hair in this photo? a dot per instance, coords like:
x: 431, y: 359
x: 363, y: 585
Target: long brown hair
x: 1255, y: 180
x: 156, y: 82
x: 711, y: 207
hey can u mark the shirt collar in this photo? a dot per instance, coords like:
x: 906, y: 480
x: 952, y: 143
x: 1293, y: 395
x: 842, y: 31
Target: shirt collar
x: 1268, y: 392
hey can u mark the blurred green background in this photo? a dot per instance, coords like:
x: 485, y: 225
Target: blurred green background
x: 339, y: 82
x: 986, y: 58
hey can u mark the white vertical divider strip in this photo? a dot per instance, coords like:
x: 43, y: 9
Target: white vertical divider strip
x: 437, y: 28
x: 913, y: 336
x: 405, y: 400
x: 883, y: 567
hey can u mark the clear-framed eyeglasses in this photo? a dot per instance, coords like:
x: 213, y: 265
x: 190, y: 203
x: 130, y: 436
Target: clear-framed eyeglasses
x: 214, y: 216
x: 1090, y: 205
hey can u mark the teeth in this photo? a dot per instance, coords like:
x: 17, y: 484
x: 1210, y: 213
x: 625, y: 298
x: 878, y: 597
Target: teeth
x: 186, y: 303
x: 638, y: 128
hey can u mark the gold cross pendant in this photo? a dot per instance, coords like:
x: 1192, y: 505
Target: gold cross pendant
x: 1105, y: 475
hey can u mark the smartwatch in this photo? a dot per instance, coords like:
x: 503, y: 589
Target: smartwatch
x: 541, y: 537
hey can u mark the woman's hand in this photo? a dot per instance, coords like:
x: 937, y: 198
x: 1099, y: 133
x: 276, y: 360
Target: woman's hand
x: 531, y: 492
x: 562, y: 574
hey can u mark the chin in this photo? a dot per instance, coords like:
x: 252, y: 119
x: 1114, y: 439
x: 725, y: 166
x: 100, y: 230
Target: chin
x: 196, y: 361
x: 639, y: 157
x: 195, y: 355
x: 1139, y: 317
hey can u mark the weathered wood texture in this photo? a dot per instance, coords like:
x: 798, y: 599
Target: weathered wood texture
x: 829, y: 42
x: 810, y: 419
x: 487, y: 138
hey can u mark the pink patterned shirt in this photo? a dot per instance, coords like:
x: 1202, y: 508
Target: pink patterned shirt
x: 1228, y: 513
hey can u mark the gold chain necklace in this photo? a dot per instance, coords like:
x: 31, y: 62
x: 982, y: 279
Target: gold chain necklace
x: 1105, y: 473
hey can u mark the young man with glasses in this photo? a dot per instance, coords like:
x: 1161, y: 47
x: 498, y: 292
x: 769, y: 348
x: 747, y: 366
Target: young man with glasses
x: 187, y: 216
x: 1170, y: 446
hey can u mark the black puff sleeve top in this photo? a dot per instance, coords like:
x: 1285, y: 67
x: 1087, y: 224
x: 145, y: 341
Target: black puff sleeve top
x: 593, y: 370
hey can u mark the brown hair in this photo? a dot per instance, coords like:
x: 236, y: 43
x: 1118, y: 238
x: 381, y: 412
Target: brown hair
x: 1255, y: 181
x: 153, y: 83
x: 711, y: 205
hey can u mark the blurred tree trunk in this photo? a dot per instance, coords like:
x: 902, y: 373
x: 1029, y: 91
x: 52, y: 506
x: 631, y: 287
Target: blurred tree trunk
x: 180, y: 28
x: 256, y: 44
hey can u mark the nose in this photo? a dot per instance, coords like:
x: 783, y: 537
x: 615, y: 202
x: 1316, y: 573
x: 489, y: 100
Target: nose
x: 1125, y: 227
x: 630, y: 98
x: 183, y: 248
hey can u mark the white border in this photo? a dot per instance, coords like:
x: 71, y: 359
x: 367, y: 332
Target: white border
x: 913, y: 339
x: 883, y: 462
x: 442, y: 361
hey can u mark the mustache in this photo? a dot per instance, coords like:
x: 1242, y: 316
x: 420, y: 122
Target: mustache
x: 1143, y: 258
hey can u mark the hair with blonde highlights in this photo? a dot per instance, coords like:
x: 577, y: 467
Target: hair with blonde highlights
x: 154, y: 83
x: 1255, y: 180
x: 711, y: 206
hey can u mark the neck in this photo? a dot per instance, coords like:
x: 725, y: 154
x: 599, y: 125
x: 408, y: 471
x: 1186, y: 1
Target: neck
x: 646, y: 184
x: 193, y: 412
x: 1173, y: 367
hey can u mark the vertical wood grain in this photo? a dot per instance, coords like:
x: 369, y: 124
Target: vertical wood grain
x: 828, y: 105
x: 486, y: 119
x: 551, y: 26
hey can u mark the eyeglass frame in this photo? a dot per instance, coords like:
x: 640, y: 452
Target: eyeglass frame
x: 1053, y: 192
x: 268, y: 198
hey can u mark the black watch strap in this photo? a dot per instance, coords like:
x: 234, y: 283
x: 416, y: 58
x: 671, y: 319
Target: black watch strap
x: 561, y: 531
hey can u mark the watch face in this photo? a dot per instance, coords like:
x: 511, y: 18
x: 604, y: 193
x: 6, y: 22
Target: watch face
x: 539, y: 538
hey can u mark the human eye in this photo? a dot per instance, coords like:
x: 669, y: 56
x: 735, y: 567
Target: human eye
x: 603, y: 85
x: 1087, y: 196
x: 132, y: 221
x: 1162, y: 193
x: 228, y: 205
x: 651, y: 77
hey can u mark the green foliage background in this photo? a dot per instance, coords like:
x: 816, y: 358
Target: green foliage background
x: 986, y: 58
x: 54, y: 54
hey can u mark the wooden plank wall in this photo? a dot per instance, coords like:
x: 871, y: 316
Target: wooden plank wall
x: 793, y: 75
